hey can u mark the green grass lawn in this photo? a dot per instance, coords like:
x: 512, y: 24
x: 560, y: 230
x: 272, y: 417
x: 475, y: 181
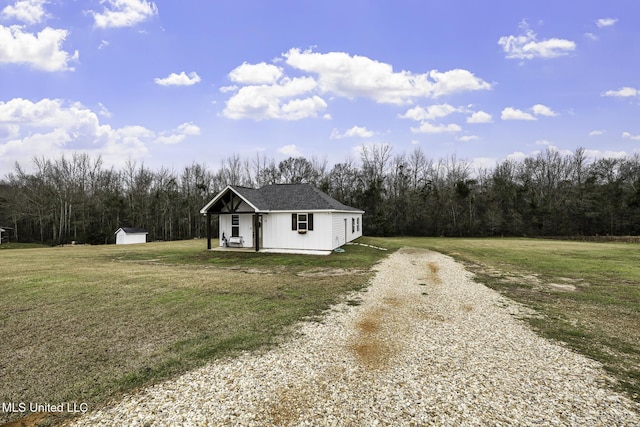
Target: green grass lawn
x: 587, y: 295
x: 86, y: 323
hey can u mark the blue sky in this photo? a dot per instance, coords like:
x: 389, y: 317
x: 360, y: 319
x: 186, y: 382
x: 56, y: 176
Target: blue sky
x: 167, y: 83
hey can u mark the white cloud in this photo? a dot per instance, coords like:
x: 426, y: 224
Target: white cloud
x: 510, y: 113
x: 552, y: 147
x: 189, y: 129
x: 431, y: 113
x: 42, y: 50
x: 468, y: 138
x: 27, y: 11
x: 519, y: 156
x: 624, y: 92
x: 9, y: 131
x: 46, y: 113
x: 527, y: 46
x: 596, y: 132
x: 361, y: 77
x: 261, y: 73
x: 266, y: 92
x: 356, y: 131
x: 276, y: 101
x: 627, y: 135
x: 225, y: 89
x: 297, y: 109
x: 181, y: 79
x: 427, y: 127
x: 483, y: 163
x: 516, y: 156
x: 290, y: 150
x: 103, y: 111
x: 543, y: 110
x: 591, y: 36
x: 607, y: 154
x: 51, y: 127
x: 103, y: 44
x: 124, y: 13
x: 179, y: 134
x: 480, y: 117
x: 456, y: 81
x: 606, y: 22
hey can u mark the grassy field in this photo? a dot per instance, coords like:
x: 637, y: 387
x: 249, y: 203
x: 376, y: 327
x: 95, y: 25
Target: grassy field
x: 87, y: 323
x: 586, y: 295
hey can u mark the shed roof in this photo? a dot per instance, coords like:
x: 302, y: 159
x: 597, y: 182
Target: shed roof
x: 284, y: 197
x: 132, y: 230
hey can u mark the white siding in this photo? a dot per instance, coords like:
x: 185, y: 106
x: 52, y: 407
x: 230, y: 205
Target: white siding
x: 338, y: 235
x: 277, y: 232
x: 358, y: 232
x: 123, y: 238
x: 246, y: 228
x: 328, y: 230
x: 337, y: 231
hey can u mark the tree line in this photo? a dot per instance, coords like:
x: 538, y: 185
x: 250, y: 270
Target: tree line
x: 78, y: 199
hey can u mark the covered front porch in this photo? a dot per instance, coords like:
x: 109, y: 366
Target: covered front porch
x: 239, y: 222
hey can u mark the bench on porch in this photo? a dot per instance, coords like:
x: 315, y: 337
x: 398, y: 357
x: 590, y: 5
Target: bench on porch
x: 235, y: 241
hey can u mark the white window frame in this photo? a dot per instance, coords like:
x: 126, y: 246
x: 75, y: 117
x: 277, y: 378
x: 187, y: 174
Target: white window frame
x: 303, y: 224
x: 235, y: 218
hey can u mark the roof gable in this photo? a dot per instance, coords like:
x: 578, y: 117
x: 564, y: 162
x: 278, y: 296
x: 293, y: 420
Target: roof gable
x: 228, y: 199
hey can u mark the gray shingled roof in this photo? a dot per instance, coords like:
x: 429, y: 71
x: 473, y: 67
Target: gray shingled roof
x: 292, y: 197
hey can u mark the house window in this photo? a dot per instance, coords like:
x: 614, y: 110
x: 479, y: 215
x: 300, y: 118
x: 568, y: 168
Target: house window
x: 302, y: 222
x: 358, y: 224
x: 235, y: 225
x: 353, y: 225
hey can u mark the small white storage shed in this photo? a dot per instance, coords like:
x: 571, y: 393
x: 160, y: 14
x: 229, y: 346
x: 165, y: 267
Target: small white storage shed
x: 4, y: 234
x: 129, y: 235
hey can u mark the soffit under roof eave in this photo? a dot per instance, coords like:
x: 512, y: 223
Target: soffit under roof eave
x: 221, y: 194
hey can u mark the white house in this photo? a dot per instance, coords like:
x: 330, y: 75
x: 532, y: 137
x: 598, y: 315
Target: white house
x: 282, y: 218
x: 128, y: 235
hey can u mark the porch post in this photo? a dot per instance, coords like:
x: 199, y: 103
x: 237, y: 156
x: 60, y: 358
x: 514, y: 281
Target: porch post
x: 256, y: 231
x: 208, y: 231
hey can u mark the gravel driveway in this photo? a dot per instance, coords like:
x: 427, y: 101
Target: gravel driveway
x: 426, y: 346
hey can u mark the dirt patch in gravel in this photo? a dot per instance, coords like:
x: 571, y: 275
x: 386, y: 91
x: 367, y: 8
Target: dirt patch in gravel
x: 370, y: 347
x: 36, y: 419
